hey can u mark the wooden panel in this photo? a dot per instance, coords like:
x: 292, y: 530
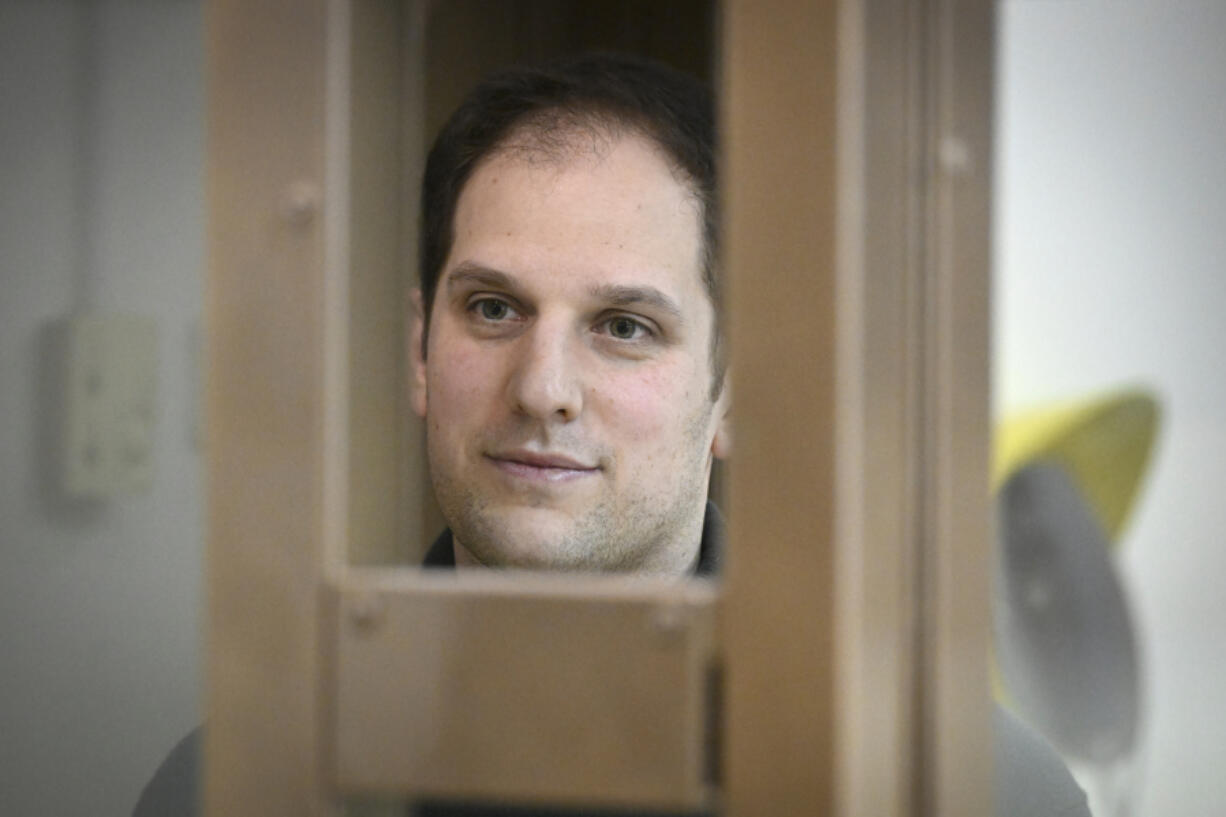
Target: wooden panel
x: 779, y: 136
x: 523, y: 688
x: 956, y: 535
x: 857, y: 159
x: 468, y: 38
x: 264, y: 400
x: 880, y: 267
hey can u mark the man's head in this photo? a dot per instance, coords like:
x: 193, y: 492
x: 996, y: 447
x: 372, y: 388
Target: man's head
x: 569, y: 366
x: 599, y: 93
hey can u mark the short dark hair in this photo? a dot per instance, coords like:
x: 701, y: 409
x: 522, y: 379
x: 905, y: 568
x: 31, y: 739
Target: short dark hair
x: 606, y: 91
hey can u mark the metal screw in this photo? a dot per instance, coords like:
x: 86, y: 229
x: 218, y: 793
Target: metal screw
x: 300, y: 203
x: 669, y: 622
x: 954, y: 156
x: 367, y: 612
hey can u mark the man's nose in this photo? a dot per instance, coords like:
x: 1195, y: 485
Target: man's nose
x: 547, y: 383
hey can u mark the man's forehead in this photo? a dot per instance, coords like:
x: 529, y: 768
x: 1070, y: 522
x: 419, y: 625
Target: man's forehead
x: 622, y: 206
x: 560, y: 140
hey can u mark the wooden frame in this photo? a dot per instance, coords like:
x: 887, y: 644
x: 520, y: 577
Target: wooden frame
x: 915, y: 162
x: 439, y: 694
x: 265, y: 413
x: 852, y: 625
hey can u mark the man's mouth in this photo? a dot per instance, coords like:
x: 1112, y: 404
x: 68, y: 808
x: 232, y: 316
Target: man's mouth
x: 541, y: 466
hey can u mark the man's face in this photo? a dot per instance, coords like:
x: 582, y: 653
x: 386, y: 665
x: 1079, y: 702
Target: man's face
x: 567, y: 388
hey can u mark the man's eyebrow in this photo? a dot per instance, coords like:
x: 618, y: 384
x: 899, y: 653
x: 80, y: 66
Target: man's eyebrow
x: 631, y: 296
x: 470, y: 273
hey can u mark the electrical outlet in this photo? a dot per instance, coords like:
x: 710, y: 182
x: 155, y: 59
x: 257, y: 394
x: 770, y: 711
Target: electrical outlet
x: 110, y: 405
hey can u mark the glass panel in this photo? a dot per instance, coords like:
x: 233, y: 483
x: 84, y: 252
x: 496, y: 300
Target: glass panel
x: 101, y: 221
x: 1108, y: 392
x: 680, y: 33
x: 461, y: 42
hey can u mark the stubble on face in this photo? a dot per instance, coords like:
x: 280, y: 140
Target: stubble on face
x: 628, y: 532
x: 643, y: 509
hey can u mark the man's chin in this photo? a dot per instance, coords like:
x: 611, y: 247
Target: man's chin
x: 528, y: 538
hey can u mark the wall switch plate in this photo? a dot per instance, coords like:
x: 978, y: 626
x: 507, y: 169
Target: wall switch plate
x: 110, y: 405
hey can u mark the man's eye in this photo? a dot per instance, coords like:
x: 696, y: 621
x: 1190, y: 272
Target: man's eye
x: 626, y: 328
x: 492, y: 309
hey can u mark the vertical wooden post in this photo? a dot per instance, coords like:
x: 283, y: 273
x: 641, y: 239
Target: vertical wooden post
x: 857, y: 178
x: 780, y: 108
x: 265, y: 406
x: 956, y: 531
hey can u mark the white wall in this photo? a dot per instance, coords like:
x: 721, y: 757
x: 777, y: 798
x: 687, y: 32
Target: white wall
x: 101, y: 205
x: 1110, y: 270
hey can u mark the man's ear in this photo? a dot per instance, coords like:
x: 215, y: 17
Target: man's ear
x: 721, y: 443
x: 417, y: 353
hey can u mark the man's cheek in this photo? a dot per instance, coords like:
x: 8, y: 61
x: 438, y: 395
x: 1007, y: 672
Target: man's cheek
x: 645, y: 405
x: 463, y: 379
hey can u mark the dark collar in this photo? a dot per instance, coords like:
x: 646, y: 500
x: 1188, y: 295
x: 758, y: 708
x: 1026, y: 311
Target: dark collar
x: 710, y: 549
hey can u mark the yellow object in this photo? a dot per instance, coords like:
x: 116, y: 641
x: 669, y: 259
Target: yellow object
x: 1104, y: 442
